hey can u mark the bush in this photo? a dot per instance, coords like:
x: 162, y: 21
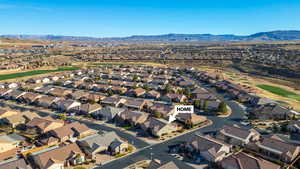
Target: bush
x: 79, y: 168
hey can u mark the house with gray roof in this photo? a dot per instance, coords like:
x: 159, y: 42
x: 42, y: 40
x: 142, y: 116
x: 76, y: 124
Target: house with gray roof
x: 107, y: 113
x: 97, y: 143
x: 14, y: 163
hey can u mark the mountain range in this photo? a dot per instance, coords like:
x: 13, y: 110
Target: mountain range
x: 261, y: 36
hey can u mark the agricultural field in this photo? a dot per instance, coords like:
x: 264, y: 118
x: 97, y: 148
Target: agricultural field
x: 35, y: 72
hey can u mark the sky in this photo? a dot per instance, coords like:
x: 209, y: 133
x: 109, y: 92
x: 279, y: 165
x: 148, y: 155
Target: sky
x: 119, y: 18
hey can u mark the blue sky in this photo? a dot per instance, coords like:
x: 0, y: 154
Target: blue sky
x: 111, y: 18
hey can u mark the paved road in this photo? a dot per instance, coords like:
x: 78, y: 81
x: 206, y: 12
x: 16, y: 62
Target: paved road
x: 160, y: 150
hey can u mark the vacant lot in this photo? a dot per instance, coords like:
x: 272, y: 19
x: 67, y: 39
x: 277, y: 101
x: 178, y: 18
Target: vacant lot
x: 35, y: 72
x: 280, y: 91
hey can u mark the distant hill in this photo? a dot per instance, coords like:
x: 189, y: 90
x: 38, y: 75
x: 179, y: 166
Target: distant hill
x: 261, y: 36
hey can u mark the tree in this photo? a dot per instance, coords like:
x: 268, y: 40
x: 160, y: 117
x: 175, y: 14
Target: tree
x: 167, y: 88
x: 135, y: 78
x: 135, y: 86
x: 197, y: 104
x: 157, y: 114
x: 62, y: 116
x: 222, y: 107
x: 205, y: 105
x: 110, y: 93
x: 146, y: 87
x: 187, y: 92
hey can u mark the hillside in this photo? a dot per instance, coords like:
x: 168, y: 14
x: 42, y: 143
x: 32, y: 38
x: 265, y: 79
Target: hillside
x: 261, y: 36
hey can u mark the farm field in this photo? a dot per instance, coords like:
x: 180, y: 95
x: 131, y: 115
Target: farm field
x: 35, y: 72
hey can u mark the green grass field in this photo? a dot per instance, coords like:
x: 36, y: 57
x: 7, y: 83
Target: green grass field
x: 279, y: 91
x: 35, y: 72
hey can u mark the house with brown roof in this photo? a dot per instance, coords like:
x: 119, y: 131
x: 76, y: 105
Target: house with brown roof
x: 86, y: 109
x: 101, y: 87
x: 157, y: 164
x: 114, y: 101
x: 14, y: 95
x: 14, y: 163
x: 76, y: 95
x: 20, y: 118
x: 93, y: 98
x: 237, y: 136
x: 43, y: 124
x: 4, y: 91
x: 7, y: 112
x: 29, y: 97
x: 131, y: 117
x: 59, y: 92
x: 244, y: 161
x: 173, y: 97
x: 136, y: 92
x: 190, y: 118
x: 71, y: 132
x: 65, y: 105
x: 58, y: 157
x: 46, y: 101
x: 118, y: 89
x: 134, y: 104
x: 277, y: 149
x: 10, y: 141
x: 158, y: 127
x: 207, y: 147
x: 165, y: 110
x: 152, y: 94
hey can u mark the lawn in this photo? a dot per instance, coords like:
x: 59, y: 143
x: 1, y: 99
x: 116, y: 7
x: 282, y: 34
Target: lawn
x: 35, y: 72
x: 280, y: 91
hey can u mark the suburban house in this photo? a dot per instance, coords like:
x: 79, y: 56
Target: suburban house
x: 58, y: 157
x: 156, y: 164
x: 59, y: 92
x: 46, y: 101
x: 98, y: 143
x: 271, y: 111
x: 14, y: 95
x: 131, y: 117
x: 71, y: 132
x: 6, y: 113
x: 107, y: 113
x: 20, y: 118
x: 86, y: 109
x: 244, y: 161
x: 173, y: 97
x: 118, y: 89
x: 190, y: 118
x: 93, y: 98
x: 4, y: 91
x: 158, y: 127
x: 43, y: 125
x: 134, y: 104
x: 65, y: 105
x: 76, y: 95
x: 237, y: 136
x: 29, y: 97
x: 152, y: 94
x: 136, y: 92
x: 10, y: 142
x: 277, y: 149
x: 14, y: 163
x: 163, y: 109
x: 113, y: 101
x: 207, y: 147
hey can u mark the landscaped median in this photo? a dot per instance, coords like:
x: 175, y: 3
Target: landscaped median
x: 35, y: 72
